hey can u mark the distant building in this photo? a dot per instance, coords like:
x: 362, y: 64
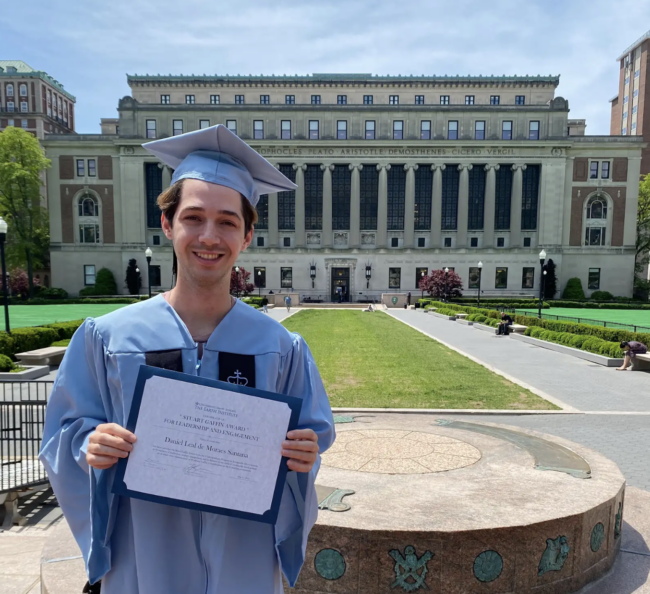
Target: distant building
x: 33, y: 100
x: 397, y: 175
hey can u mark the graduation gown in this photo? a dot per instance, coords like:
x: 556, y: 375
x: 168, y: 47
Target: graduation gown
x: 139, y: 547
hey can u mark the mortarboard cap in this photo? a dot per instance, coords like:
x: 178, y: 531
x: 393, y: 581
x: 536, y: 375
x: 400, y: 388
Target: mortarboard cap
x: 218, y: 156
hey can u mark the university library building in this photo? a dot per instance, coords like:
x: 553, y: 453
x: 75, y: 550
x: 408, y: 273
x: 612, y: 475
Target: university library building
x: 396, y: 175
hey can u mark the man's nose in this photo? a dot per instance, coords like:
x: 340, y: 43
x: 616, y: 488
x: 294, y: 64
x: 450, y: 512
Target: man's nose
x: 210, y: 235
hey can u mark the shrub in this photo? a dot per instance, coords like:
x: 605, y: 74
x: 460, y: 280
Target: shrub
x: 6, y: 364
x: 577, y: 340
x: 105, y: 283
x: 53, y: 293
x: 573, y: 289
x: 61, y: 343
x: 602, y: 296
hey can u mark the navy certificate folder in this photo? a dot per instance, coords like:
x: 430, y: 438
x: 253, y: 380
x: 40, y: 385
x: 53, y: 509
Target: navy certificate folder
x: 145, y: 373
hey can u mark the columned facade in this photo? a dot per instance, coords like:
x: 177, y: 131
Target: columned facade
x: 388, y: 188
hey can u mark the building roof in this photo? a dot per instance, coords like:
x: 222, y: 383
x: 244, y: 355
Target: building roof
x: 638, y: 42
x: 614, y: 98
x: 340, y: 77
x: 18, y: 67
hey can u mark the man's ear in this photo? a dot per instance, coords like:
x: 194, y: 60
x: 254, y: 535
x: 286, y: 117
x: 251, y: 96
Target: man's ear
x: 248, y: 238
x: 166, y: 226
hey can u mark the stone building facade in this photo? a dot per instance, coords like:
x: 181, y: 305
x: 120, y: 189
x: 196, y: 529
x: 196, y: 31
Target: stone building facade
x: 396, y: 176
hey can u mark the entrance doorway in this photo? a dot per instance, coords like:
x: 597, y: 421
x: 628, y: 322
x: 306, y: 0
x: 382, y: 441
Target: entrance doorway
x: 340, y: 285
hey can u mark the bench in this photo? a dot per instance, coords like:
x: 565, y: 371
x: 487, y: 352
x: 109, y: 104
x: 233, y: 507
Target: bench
x: 46, y: 356
x: 641, y: 362
x: 461, y: 316
x: 518, y: 328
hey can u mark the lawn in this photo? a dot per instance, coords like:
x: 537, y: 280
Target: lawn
x: 375, y: 361
x: 620, y: 316
x: 21, y: 316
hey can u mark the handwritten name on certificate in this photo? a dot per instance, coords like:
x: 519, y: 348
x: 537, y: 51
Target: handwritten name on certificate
x: 206, y: 445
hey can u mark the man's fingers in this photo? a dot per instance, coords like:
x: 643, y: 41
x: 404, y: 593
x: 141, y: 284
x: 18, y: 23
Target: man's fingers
x: 298, y: 466
x: 307, y: 434
x: 110, y: 440
x: 102, y: 450
x: 304, y: 446
x: 117, y: 430
x: 297, y: 455
x: 100, y: 462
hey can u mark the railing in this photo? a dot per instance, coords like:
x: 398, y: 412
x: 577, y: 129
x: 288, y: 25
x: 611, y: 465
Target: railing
x: 22, y: 416
x: 590, y: 321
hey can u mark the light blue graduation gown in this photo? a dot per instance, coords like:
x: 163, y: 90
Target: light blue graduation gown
x: 138, y: 547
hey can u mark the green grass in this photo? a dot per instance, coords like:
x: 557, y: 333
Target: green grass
x: 620, y: 316
x: 21, y: 316
x: 375, y: 361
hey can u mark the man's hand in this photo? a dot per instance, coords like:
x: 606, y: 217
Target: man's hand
x: 301, y: 448
x: 107, y: 444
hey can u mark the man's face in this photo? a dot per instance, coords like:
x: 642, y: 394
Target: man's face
x: 207, y: 232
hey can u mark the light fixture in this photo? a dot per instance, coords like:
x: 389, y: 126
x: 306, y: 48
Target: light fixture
x: 480, y: 264
x: 542, y: 255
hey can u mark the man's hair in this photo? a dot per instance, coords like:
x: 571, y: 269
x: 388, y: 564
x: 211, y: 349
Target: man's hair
x: 170, y: 198
x: 624, y: 343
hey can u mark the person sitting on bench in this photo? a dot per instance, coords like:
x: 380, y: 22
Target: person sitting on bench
x: 504, y: 324
x: 631, y: 349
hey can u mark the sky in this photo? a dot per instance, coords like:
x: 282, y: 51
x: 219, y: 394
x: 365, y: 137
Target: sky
x: 91, y: 45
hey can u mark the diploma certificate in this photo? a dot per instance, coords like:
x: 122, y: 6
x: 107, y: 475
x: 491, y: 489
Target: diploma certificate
x: 207, y: 445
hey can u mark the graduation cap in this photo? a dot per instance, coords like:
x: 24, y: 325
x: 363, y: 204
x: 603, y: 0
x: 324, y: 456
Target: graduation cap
x: 218, y: 156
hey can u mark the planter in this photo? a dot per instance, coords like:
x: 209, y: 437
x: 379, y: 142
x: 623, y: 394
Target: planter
x: 464, y: 321
x: 442, y: 316
x: 31, y: 372
x: 560, y: 348
x: 484, y: 327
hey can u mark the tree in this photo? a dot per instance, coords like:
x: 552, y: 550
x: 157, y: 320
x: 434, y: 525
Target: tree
x: 573, y: 289
x: 434, y: 284
x: 239, y: 284
x: 22, y: 162
x: 550, y: 283
x: 19, y: 283
x: 642, y: 255
x: 133, y: 277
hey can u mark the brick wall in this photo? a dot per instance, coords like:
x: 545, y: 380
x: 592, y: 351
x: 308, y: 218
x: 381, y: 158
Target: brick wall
x: 619, y: 214
x: 105, y: 167
x: 576, y: 232
x: 580, y: 169
x: 619, y: 173
x: 66, y: 167
x: 67, y: 220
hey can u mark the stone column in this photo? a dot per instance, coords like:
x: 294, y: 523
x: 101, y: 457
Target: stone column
x: 382, y: 207
x: 489, y: 205
x: 515, y: 205
x: 273, y: 220
x: 300, y: 204
x: 166, y: 177
x: 354, y: 239
x: 463, y: 197
x: 326, y: 236
x: 436, y: 205
x: 409, y: 207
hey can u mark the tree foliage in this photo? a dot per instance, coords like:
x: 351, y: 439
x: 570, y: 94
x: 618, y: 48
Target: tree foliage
x: 22, y: 162
x: 642, y: 236
x: 19, y: 283
x: 573, y: 289
x: 133, y: 277
x: 239, y: 284
x: 435, y: 284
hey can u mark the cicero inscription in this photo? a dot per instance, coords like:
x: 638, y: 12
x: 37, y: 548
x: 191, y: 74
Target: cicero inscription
x: 285, y: 151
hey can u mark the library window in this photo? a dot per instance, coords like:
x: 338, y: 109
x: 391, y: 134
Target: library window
x: 479, y: 130
x: 526, y: 241
x: 447, y: 242
x: 177, y: 127
x: 313, y: 130
x: 604, y: 170
x: 419, y: 99
x: 315, y: 99
x: 89, y: 274
x: 421, y: 242
x: 286, y: 241
x: 394, y: 278
x: 452, y: 130
x: 286, y: 278
x: 204, y: 124
x: 593, y: 170
x: 342, y: 100
x: 501, y: 278
x: 258, y: 129
x: 398, y: 130
x: 260, y: 242
x: 506, y: 130
x: 214, y: 99
x: 370, y: 129
x: 520, y: 100
x: 265, y: 99
x: 232, y: 126
x: 165, y: 99
x: 495, y: 99
x: 469, y: 99
x: 425, y: 130
x: 394, y: 242
x: 290, y: 99
x: 593, y: 283
x: 239, y: 100
x: 151, y: 128
x: 393, y: 100
x: 533, y: 130
x: 92, y: 168
x: 528, y: 277
x: 473, y: 242
x: 285, y: 131
x: 367, y: 99
x: 81, y: 168
x: 190, y: 99
x: 501, y: 242
x: 444, y: 99
x: 341, y: 130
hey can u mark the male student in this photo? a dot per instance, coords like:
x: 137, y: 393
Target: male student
x: 139, y: 547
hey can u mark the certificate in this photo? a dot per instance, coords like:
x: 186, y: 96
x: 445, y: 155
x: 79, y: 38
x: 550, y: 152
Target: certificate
x: 207, y: 445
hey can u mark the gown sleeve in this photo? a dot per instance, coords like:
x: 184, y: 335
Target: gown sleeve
x: 299, y: 505
x: 78, y: 403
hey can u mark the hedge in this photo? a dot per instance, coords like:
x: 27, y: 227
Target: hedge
x: 82, y: 301
x: 6, y: 364
x: 573, y: 289
x: 36, y: 337
x: 255, y: 300
x: 500, y: 303
x: 583, y: 342
x: 599, y: 305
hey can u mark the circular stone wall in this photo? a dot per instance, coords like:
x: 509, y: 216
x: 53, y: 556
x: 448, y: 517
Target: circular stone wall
x: 445, y: 510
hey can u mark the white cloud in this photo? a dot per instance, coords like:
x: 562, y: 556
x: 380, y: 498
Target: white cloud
x: 91, y: 46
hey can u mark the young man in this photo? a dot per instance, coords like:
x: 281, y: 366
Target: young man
x: 138, y: 547
x: 631, y: 349
x: 287, y: 302
x: 504, y: 324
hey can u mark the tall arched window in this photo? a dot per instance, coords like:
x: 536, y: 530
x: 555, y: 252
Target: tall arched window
x: 596, y: 220
x: 88, y: 218
x: 23, y: 90
x: 10, y: 90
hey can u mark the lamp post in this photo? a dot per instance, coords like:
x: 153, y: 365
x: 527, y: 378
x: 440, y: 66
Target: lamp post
x: 542, y: 259
x: 368, y: 275
x: 259, y: 281
x: 3, y: 237
x: 421, y: 279
x: 312, y: 274
x: 446, y: 276
x: 147, y: 254
x: 478, y: 295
